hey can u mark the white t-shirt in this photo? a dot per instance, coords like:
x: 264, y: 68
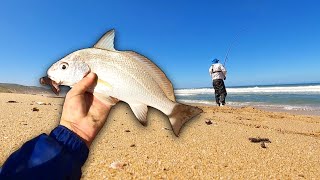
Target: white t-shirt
x: 217, y: 71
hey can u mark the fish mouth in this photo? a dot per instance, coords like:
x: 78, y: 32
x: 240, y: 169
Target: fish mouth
x: 53, y: 84
x: 48, y: 80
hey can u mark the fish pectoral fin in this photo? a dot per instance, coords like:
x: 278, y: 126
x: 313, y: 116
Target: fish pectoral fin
x: 106, y: 42
x: 104, y: 83
x: 107, y: 100
x: 140, y: 111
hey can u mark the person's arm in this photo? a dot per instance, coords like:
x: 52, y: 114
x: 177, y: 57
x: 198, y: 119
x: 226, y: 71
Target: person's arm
x: 61, y: 154
x: 224, y: 71
x: 210, y: 70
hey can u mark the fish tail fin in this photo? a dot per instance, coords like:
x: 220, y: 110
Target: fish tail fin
x: 180, y: 114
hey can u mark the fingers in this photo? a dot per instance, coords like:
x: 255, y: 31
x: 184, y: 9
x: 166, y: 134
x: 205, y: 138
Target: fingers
x: 82, y: 86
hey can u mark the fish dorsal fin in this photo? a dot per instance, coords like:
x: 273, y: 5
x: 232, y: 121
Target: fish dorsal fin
x: 106, y: 42
x: 140, y: 111
x: 156, y: 73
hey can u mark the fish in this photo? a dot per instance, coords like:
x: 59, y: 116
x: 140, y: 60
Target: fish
x: 122, y: 76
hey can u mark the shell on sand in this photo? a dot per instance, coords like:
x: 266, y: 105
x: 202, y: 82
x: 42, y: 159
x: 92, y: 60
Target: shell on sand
x: 117, y: 165
x: 41, y: 103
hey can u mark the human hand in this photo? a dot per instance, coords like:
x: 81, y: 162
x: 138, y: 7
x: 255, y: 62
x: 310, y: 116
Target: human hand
x: 82, y: 112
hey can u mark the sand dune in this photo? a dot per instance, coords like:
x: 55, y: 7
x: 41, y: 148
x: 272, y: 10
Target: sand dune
x: 219, y: 150
x: 17, y: 88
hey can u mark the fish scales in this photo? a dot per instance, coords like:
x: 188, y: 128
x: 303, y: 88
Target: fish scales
x: 124, y: 70
x: 123, y: 75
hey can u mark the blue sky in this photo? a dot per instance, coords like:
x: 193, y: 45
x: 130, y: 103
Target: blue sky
x: 278, y: 42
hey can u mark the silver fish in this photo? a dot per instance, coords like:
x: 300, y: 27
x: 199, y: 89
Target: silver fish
x: 122, y: 75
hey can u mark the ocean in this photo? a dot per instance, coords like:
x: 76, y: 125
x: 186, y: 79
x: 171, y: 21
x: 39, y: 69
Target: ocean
x: 293, y: 97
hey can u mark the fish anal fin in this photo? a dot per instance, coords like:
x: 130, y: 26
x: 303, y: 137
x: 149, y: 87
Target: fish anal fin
x: 140, y: 111
x: 106, y: 41
x: 156, y: 73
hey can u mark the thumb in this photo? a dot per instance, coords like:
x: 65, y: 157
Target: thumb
x: 82, y: 86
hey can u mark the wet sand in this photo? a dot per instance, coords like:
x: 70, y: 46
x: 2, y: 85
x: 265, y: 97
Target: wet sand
x: 219, y: 150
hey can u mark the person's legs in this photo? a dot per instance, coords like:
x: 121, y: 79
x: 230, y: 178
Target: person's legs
x: 220, y: 91
x: 223, y: 93
x: 223, y: 98
x: 215, y: 85
x: 217, y: 99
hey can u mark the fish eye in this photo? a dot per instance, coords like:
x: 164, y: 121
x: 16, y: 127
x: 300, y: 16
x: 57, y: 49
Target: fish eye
x: 64, y: 66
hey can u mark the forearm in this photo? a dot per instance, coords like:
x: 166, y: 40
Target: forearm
x: 57, y: 156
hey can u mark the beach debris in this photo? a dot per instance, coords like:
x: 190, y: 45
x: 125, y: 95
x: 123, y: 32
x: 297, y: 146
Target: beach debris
x: 117, y: 165
x: 35, y: 109
x: 258, y: 139
x: 5, y: 137
x: 122, y: 74
x: 132, y: 145
x: 41, y: 103
x: 262, y: 141
x: 12, y: 102
x: 127, y: 130
x: 165, y: 128
x: 208, y: 122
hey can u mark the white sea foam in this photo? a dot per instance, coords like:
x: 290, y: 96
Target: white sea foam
x: 312, y: 89
x: 255, y: 104
x: 196, y: 102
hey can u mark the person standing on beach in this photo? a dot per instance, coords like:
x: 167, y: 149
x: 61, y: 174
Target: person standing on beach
x: 218, y: 75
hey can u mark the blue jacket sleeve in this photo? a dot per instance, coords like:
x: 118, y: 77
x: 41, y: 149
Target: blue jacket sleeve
x: 57, y: 156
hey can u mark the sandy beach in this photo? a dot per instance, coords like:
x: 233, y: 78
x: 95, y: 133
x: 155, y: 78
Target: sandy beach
x: 213, y: 145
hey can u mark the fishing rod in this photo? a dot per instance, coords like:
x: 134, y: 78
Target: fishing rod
x: 231, y: 45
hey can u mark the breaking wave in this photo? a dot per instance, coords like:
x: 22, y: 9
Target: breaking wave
x: 311, y: 89
x: 291, y: 97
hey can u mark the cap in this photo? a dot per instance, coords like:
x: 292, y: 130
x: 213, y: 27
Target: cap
x: 215, y: 60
